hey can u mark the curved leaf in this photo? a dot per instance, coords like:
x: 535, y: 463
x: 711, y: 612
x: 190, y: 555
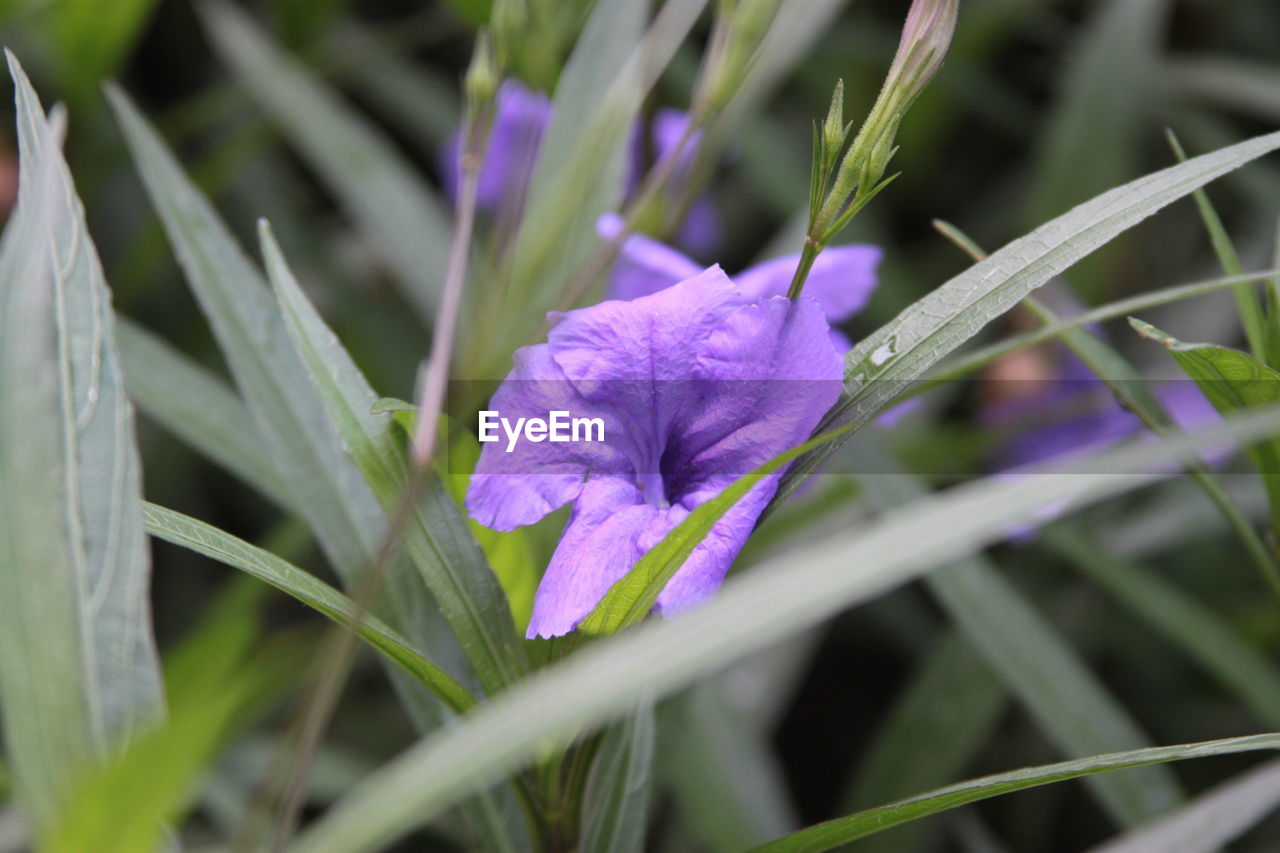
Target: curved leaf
x: 216, y: 544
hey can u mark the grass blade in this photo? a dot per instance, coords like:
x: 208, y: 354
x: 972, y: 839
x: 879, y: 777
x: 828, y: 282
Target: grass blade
x: 722, y: 772
x: 78, y: 665
x: 390, y: 203
x: 776, y: 600
x: 825, y: 836
x: 1232, y: 381
x: 884, y: 363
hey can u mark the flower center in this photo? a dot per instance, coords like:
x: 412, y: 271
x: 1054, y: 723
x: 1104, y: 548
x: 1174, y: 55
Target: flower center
x: 653, y: 490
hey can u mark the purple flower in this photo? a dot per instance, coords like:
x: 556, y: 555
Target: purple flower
x: 1071, y: 414
x: 1074, y: 413
x: 695, y: 385
x: 521, y: 117
x: 841, y: 281
x: 699, y: 232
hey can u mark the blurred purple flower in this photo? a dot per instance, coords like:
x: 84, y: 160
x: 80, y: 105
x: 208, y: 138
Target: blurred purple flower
x: 841, y: 281
x: 1071, y: 414
x: 521, y: 117
x: 696, y: 384
x: 699, y: 232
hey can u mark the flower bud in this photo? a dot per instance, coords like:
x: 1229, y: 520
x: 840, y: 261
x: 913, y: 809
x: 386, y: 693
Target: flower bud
x: 926, y: 35
x: 481, y: 82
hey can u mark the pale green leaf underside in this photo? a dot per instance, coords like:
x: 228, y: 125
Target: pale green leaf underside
x: 80, y: 670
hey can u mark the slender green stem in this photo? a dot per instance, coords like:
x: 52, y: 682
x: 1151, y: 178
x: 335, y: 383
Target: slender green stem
x: 807, y: 258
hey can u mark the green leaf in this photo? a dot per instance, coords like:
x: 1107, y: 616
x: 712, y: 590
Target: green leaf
x: 1207, y: 638
x: 979, y: 358
x: 216, y: 544
x: 197, y: 407
x: 949, y: 708
x: 1106, y: 97
x: 617, y: 805
x: 580, y: 172
x: 1211, y: 821
x: 1232, y: 381
x: 825, y: 836
x: 435, y: 535
x: 391, y: 204
x: 128, y: 801
x: 1068, y: 703
x: 1247, y: 302
x: 880, y: 367
x: 78, y: 668
x: 722, y: 771
x: 1228, y: 81
x: 753, y: 611
x: 93, y: 38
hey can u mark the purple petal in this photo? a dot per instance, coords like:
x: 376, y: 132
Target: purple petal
x: 655, y: 337
x: 511, y: 489
x: 768, y: 375
x: 841, y: 281
x: 701, y: 233
x: 643, y: 266
x: 609, y: 530
x: 704, y: 571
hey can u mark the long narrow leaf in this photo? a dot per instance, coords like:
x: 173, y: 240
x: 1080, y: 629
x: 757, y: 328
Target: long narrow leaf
x: 617, y: 807
x: 948, y: 710
x: 825, y: 836
x: 78, y: 665
x: 437, y: 536
x: 197, y: 407
x: 393, y: 207
x: 221, y: 546
x: 1212, y: 820
x: 1205, y: 636
x: 1072, y: 707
